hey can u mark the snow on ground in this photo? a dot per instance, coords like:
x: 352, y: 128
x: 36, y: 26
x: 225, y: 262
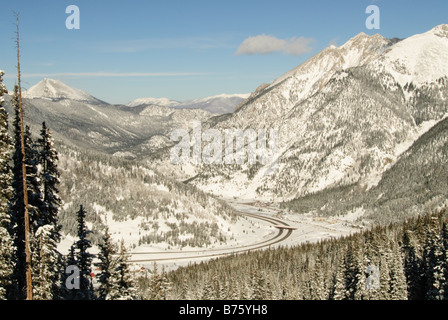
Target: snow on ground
x: 310, y: 229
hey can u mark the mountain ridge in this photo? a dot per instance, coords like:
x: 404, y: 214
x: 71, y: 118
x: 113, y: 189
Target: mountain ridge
x: 218, y: 104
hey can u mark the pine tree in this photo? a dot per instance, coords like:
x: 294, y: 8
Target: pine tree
x: 35, y: 197
x: 84, y: 258
x: 165, y: 284
x: 384, y: 270
x: 207, y: 291
x: 435, y: 264
x: 155, y: 285
x: 46, y: 264
x: 69, y: 261
x: 317, y: 284
x: 6, y: 242
x: 412, y: 267
x: 126, y: 283
x: 49, y: 176
x: 17, y: 224
x: 355, y: 276
x: 184, y: 293
x: 107, y: 265
x: 398, y: 286
x: 258, y: 283
x: 444, y: 242
x: 217, y: 286
x: 339, y: 283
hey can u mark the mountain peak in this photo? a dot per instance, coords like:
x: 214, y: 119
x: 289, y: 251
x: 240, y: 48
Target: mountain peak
x: 57, y: 90
x: 363, y: 39
x: 440, y: 30
x: 357, y: 51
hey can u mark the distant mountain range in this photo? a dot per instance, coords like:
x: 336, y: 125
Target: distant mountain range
x: 141, y: 127
x: 220, y: 104
x: 55, y: 90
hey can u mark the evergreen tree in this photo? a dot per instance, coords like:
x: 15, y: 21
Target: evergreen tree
x: 49, y: 176
x: 444, y: 242
x: 46, y: 264
x: 217, y: 286
x: 207, y: 291
x: 355, y: 276
x: 17, y: 224
x: 184, y: 293
x: 372, y: 256
x: 126, y: 283
x: 258, y: 282
x: 6, y: 242
x: 412, y: 267
x: 397, y: 285
x: 339, y: 287
x: 35, y: 198
x: 165, y: 284
x: 107, y: 264
x: 84, y: 258
x: 435, y: 264
x: 317, y: 284
x: 155, y: 285
x: 69, y: 261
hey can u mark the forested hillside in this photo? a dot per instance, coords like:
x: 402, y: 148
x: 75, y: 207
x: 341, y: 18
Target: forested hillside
x: 122, y: 193
x: 416, y: 183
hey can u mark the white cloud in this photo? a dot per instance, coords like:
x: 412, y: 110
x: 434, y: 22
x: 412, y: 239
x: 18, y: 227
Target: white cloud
x: 265, y: 44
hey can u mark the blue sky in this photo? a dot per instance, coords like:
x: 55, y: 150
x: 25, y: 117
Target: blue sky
x: 186, y: 49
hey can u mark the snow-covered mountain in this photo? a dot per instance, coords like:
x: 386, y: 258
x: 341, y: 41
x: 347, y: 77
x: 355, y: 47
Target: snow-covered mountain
x: 57, y: 90
x: 219, y: 104
x: 344, y: 117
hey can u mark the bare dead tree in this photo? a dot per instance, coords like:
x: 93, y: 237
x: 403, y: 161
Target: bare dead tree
x: 29, y: 284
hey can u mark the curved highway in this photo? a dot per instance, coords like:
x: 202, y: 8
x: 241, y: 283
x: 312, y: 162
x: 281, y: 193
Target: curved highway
x: 280, y: 236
